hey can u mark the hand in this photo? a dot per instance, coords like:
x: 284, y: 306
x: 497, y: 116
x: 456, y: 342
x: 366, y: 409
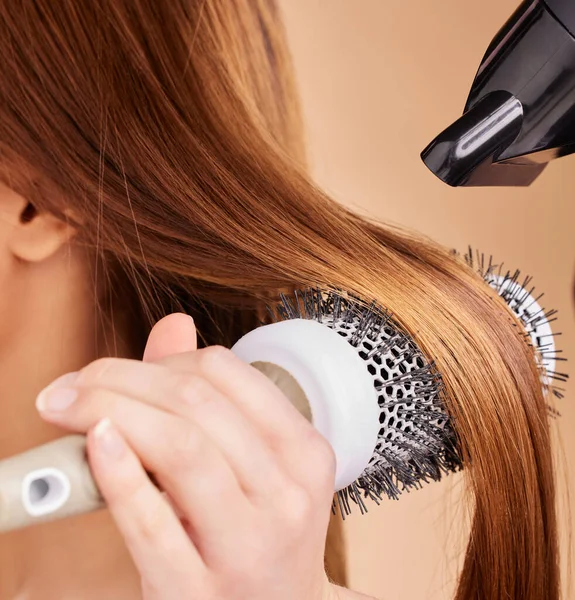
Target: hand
x: 247, y: 483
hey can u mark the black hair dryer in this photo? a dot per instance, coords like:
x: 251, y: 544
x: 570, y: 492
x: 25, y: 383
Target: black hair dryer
x: 520, y: 113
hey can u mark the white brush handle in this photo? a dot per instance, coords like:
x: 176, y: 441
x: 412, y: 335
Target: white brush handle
x: 48, y: 482
x: 318, y: 370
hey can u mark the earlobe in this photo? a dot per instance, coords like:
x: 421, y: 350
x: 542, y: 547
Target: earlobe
x: 38, y: 235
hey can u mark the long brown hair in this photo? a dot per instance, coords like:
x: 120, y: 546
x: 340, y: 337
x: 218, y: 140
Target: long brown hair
x: 172, y: 131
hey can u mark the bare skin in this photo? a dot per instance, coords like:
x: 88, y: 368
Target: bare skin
x: 47, y: 328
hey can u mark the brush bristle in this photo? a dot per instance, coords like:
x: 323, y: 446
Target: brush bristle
x: 416, y: 442
x: 523, y: 299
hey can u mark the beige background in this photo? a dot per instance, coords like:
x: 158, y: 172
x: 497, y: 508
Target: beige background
x: 379, y: 80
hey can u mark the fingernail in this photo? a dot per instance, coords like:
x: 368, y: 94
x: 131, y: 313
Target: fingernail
x: 57, y: 402
x: 108, y: 440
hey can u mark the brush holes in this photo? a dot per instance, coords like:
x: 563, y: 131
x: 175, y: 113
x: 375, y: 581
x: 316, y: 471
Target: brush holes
x: 416, y: 442
x: 415, y: 435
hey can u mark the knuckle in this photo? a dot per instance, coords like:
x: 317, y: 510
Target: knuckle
x: 213, y: 356
x: 185, y: 447
x: 97, y: 401
x: 96, y: 370
x: 214, y: 483
x: 126, y: 491
x: 320, y: 462
x: 297, y: 507
x: 323, y: 455
x: 191, y: 388
x: 153, y: 520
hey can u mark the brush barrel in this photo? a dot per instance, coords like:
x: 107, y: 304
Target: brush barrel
x: 318, y: 370
x: 532, y: 314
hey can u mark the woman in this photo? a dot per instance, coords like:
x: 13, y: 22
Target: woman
x: 152, y: 162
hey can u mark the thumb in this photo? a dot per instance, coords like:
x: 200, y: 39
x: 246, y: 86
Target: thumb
x: 173, y: 334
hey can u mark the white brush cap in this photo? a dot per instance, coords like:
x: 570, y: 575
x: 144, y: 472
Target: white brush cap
x: 335, y: 380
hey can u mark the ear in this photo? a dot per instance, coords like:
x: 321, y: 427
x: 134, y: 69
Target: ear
x: 34, y: 236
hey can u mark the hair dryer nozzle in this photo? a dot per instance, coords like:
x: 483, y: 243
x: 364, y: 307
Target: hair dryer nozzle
x: 520, y: 113
x: 477, y: 139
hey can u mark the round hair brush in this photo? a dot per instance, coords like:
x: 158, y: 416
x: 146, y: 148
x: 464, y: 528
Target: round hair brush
x: 348, y: 367
x: 525, y: 302
x: 384, y: 418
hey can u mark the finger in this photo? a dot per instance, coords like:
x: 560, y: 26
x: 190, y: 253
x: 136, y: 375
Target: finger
x: 186, y: 464
x: 157, y: 542
x: 171, y: 335
x: 304, y: 453
x: 299, y: 449
x: 260, y: 399
x: 196, y: 399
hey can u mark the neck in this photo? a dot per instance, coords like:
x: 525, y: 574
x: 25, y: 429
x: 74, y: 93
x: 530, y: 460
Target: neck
x: 53, y: 333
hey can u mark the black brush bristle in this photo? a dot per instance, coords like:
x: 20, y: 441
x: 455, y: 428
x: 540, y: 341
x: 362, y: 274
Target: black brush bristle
x: 524, y: 300
x: 416, y: 442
